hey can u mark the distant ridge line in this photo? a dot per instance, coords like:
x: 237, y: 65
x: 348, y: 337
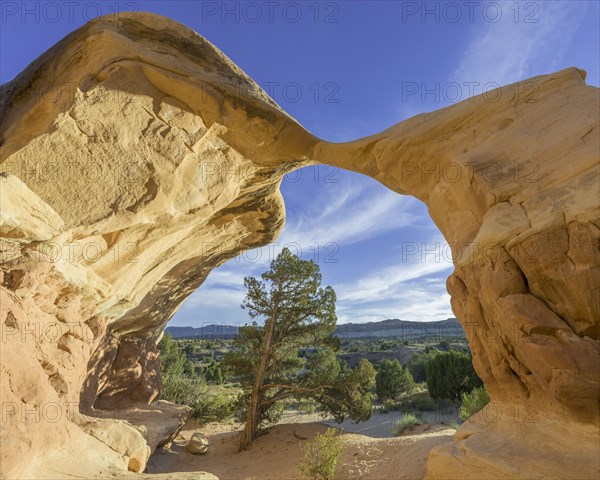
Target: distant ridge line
x: 385, y: 328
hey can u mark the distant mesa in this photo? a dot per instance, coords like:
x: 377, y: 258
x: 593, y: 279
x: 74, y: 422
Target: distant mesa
x: 213, y: 331
x: 404, y: 329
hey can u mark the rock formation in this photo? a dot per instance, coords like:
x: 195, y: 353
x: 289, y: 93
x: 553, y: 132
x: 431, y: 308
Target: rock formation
x: 137, y: 157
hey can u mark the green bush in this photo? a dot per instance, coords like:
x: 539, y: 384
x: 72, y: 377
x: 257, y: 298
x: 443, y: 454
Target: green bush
x: 208, y: 403
x: 405, y: 422
x: 450, y: 374
x: 172, y: 358
x: 392, y: 380
x: 418, y: 401
x: 212, y: 373
x: 321, y: 455
x: 178, y: 388
x: 472, y: 402
x: 181, y: 385
x: 417, y: 365
x: 214, y: 407
x: 424, y: 403
x: 387, y: 406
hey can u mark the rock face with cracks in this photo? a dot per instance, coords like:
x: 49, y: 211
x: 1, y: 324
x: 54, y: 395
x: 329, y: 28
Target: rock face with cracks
x: 136, y: 157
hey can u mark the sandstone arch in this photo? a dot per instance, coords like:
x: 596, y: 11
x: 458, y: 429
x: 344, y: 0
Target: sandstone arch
x: 137, y: 157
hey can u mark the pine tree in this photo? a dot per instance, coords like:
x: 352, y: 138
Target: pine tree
x: 212, y: 373
x: 450, y: 374
x: 392, y: 380
x: 172, y: 358
x: 297, y: 313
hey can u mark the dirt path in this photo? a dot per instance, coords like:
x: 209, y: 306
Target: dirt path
x: 275, y: 456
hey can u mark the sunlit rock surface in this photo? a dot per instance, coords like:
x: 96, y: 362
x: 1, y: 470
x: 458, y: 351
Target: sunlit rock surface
x: 137, y: 157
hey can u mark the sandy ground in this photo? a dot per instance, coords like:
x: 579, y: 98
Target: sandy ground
x: 275, y: 455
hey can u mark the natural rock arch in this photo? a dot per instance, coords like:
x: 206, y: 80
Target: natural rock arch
x: 137, y: 157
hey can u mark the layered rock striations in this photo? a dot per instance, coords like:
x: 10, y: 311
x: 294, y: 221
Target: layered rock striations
x: 137, y: 157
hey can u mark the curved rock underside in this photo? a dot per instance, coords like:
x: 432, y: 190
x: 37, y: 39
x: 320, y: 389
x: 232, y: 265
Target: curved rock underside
x: 137, y: 157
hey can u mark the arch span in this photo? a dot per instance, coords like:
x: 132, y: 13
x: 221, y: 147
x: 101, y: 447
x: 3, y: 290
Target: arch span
x: 161, y: 159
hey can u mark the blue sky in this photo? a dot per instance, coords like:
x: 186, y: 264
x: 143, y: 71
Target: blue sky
x: 346, y: 70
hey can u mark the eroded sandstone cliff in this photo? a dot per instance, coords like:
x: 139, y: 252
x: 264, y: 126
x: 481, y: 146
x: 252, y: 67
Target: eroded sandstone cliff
x: 137, y: 157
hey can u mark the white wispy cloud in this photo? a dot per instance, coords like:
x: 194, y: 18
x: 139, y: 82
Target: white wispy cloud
x: 383, y: 283
x: 414, y: 302
x: 411, y: 286
x: 524, y: 42
x: 343, y: 214
x: 512, y: 41
x: 214, y: 296
x: 351, y: 212
x: 350, y: 216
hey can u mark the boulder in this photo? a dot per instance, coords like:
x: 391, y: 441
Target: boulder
x: 198, y: 443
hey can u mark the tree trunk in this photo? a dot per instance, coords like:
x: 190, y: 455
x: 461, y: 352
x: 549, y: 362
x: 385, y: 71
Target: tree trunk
x: 253, y: 417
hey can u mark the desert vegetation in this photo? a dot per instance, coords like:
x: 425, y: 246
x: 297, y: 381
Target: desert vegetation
x: 321, y: 455
x: 292, y: 365
x: 405, y: 422
x: 473, y: 402
x: 214, y: 376
x: 393, y: 379
x: 288, y: 360
x: 187, y: 384
x: 450, y: 375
